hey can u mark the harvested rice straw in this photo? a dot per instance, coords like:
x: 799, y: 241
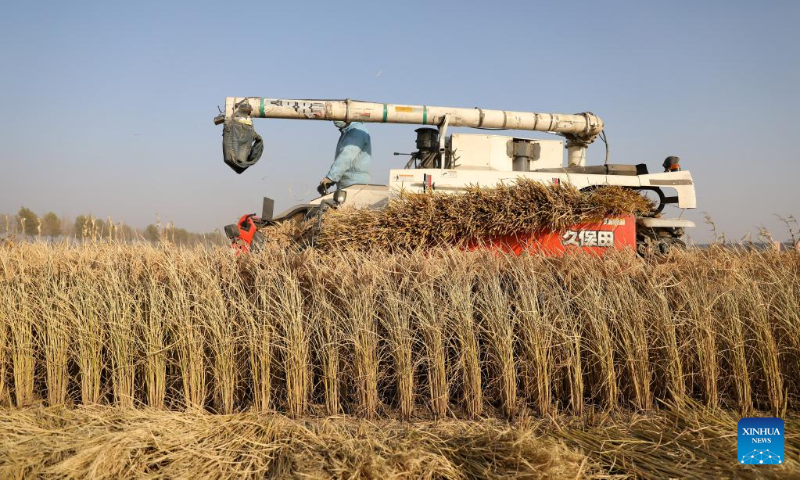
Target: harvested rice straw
x: 423, y: 220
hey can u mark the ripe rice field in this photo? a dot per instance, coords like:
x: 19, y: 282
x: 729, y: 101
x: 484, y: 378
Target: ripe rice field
x: 139, y: 361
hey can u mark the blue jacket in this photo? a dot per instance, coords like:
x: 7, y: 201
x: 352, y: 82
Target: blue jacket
x: 353, y: 156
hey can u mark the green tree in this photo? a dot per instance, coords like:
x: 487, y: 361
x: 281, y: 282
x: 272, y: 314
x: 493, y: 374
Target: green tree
x: 180, y: 236
x: 151, y: 233
x: 126, y: 233
x: 28, y: 221
x: 51, y: 225
x: 101, y: 228
x: 90, y: 227
x: 81, y: 227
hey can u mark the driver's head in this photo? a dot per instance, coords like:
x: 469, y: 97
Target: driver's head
x: 340, y: 124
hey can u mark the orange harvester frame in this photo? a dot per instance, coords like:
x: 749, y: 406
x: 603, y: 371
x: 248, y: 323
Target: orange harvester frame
x: 592, y: 237
x: 596, y: 238
x: 247, y: 230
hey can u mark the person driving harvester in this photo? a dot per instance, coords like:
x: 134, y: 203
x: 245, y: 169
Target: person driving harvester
x: 353, y: 156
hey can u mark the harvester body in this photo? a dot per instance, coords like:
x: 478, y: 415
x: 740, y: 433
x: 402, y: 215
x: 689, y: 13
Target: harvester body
x: 453, y: 163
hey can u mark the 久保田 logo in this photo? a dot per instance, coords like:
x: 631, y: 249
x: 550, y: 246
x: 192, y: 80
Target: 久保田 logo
x: 760, y: 441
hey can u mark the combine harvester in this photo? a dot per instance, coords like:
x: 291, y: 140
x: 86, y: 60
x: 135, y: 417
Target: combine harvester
x: 452, y: 163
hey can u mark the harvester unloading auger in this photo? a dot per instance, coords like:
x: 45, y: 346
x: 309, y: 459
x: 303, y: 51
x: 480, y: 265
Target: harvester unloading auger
x: 451, y: 164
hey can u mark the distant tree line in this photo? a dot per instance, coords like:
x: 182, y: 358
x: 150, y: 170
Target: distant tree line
x: 87, y: 227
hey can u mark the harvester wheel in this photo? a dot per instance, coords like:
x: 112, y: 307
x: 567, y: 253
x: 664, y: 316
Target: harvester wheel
x: 660, y: 204
x: 659, y: 246
x: 666, y: 245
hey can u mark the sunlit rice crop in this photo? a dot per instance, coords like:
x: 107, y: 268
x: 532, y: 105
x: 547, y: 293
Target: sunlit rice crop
x: 447, y: 333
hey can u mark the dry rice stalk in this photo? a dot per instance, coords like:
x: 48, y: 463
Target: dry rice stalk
x: 21, y: 328
x: 87, y: 329
x: 4, y: 344
x: 568, y: 380
x: 417, y: 221
x: 498, y: 330
x: 122, y: 314
x: 356, y: 288
x: 396, y: 322
x: 691, y: 441
x: 52, y: 304
x: 697, y: 308
x: 536, y: 335
x: 464, y: 332
x: 779, y: 282
x: 764, y: 346
x: 735, y: 350
x: 458, y: 295
x: 260, y: 336
x: 187, y: 328
x: 293, y: 337
x: 153, y: 329
x: 106, y: 443
x: 223, y: 329
x: 326, y: 339
x: 628, y: 320
x: 653, y: 285
x: 589, y: 293
x: 286, y: 235
x: 430, y: 319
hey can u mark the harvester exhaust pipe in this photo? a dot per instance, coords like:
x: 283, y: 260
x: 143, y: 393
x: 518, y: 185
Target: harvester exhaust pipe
x: 243, y: 150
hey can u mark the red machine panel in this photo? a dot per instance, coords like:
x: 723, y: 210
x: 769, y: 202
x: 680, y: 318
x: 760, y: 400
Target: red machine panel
x: 596, y: 238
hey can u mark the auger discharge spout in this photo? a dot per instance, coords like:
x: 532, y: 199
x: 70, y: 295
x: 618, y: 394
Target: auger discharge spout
x: 580, y: 129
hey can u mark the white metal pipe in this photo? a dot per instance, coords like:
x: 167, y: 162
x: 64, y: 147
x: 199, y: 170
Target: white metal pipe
x: 576, y: 155
x: 582, y: 126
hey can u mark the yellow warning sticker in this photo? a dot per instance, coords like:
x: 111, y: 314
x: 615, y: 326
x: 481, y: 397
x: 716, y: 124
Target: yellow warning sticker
x: 614, y: 221
x: 403, y: 109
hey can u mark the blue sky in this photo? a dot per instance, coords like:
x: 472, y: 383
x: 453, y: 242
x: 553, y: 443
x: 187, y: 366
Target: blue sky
x: 108, y: 106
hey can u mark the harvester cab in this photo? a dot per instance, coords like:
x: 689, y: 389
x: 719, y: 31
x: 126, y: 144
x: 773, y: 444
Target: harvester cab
x: 452, y: 163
